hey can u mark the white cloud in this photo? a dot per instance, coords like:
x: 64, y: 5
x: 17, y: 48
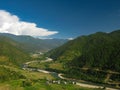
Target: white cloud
x: 70, y: 38
x: 11, y: 24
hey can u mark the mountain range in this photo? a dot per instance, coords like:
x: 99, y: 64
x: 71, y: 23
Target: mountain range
x: 32, y: 44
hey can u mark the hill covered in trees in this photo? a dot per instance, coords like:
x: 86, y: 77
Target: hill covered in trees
x: 100, y: 50
x: 91, y: 57
x: 11, y: 53
x: 11, y: 56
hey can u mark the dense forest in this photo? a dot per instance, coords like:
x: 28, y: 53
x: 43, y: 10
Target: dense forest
x: 90, y: 57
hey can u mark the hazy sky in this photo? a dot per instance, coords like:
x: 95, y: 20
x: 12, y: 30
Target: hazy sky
x: 59, y: 18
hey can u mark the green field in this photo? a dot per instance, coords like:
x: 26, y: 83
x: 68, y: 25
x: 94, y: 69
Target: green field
x: 44, y: 65
x: 31, y: 80
x: 38, y: 85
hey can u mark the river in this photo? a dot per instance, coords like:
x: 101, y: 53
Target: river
x: 60, y: 75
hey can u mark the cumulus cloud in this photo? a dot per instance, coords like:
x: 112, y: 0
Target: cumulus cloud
x: 11, y: 24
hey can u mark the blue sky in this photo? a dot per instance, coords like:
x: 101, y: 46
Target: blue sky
x: 71, y: 18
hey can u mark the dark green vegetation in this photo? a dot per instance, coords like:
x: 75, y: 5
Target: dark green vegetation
x: 95, y: 57
x: 31, y: 44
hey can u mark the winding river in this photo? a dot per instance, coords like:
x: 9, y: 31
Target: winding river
x: 60, y: 75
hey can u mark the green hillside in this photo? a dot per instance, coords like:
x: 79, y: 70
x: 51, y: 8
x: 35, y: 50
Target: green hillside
x: 101, y: 50
x: 68, y: 51
x: 94, y: 57
x: 10, y: 53
x: 11, y: 56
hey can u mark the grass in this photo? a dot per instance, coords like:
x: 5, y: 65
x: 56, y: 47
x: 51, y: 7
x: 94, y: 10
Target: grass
x: 38, y: 65
x: 37, y: 75
x: 31, y: 74
x: 40, y: 85
x: 56, y: 65
x: 35, y: 81
x: 44, y: 65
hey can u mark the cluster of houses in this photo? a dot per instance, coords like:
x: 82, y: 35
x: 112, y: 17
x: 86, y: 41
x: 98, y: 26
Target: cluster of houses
x: 60, y: 82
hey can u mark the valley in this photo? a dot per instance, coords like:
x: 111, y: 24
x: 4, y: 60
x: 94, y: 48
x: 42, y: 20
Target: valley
x: 59, y: 44
x: 31, y: 66
x: 85, y: 63
x: 32, y: 79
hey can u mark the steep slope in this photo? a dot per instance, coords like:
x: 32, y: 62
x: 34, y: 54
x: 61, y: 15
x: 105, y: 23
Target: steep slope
x: 11, y: 57
x: 101, y: 51
x: 95, y: 50
x: 93, y: 57
x: 68, y: 51
x: 10, y: 52
x: 34, y: 44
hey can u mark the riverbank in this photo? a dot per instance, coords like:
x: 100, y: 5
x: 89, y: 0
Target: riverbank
x: 61, y: 75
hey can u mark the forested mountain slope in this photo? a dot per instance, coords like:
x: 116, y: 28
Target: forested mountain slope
x: 11, y: 53
x: 31, y: 44
x: 94, y: 58
x: 100, y: 50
